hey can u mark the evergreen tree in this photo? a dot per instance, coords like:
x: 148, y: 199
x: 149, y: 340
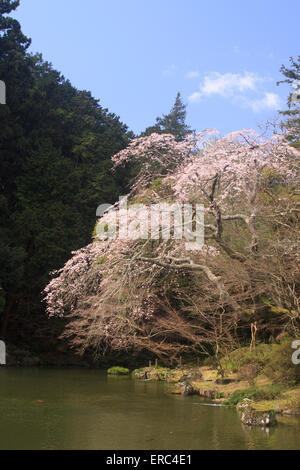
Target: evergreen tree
x: 55, y: 169
x: 172, y: 123
x: 15, y: 72
x: 292, y: 123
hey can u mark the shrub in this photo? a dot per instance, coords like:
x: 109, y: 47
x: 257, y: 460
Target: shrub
x: 118, y: 371
x: 249, y: 373
x: 280, y: 368
x: 241, y: 357
x: 268, y: 392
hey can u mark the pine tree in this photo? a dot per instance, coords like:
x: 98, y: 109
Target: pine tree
x: 172, y: 123
x: 292, y: 123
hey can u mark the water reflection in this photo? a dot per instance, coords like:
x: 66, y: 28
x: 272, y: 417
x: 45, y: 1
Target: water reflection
x: 84, y: 409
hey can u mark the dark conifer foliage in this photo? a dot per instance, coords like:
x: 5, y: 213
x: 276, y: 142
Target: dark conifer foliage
x: 55, y: 148
x: 292, y: 122
x: 172, y: 123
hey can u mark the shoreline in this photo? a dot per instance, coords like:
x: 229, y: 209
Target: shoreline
x: 204, y: 382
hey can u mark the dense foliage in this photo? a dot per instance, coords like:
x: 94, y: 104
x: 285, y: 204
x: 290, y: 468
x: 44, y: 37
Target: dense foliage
x: 292, y: 114
x: 55, y: 148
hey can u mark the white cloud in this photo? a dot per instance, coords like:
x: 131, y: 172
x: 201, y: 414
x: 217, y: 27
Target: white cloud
x: 192, y: 74
x: 195, y: 97
x: 239, y: 88
x: 226, y: 84
x: 269, y: 101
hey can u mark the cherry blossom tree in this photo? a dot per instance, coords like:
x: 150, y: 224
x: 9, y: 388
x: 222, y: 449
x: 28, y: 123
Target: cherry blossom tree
x: 121, y: 292
x: 155, y: 156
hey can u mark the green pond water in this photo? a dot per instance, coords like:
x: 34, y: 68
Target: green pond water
x: 85, y: 409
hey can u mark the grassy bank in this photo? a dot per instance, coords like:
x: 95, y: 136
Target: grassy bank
x: 266, y: 376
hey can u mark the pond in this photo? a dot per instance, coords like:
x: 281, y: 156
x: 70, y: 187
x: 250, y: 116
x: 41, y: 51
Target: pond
x: 85, y: 409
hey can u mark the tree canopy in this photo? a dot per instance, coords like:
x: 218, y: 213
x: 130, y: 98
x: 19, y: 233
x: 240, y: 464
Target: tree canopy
x: 55, y: 148
x: 173, y: 123
x: 292, y: 114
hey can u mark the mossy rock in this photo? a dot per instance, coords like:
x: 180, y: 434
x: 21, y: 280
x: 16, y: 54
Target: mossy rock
x: 118, y: 371
x: 141, y: 373
x: 163, y: 374
x: 253, y: 417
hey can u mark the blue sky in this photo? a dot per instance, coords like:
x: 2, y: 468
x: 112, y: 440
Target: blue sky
x: 223, y: 56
